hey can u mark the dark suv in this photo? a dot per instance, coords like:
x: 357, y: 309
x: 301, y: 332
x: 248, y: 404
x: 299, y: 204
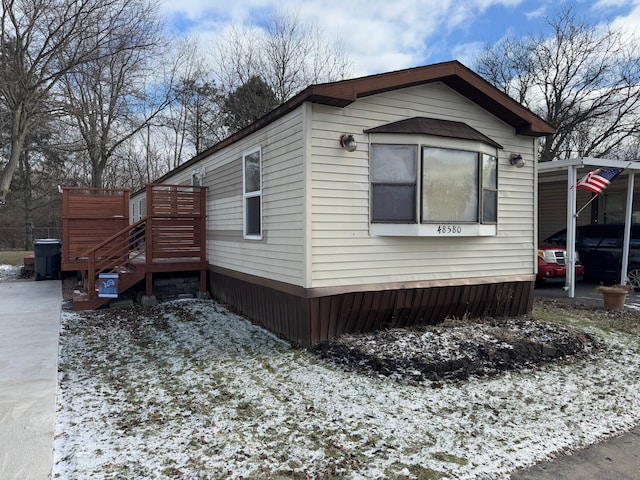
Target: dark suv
x: 600, y: 249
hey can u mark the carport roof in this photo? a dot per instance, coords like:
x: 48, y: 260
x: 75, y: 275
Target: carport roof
x: 580, y: 162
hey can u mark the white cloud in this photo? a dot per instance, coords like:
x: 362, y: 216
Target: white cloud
x: 630, y: 23
x: 537, y: 13
x: 379, y: 36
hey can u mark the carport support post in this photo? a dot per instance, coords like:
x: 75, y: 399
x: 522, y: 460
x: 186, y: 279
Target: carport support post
x: 627, y: 229
x: 572, y: 174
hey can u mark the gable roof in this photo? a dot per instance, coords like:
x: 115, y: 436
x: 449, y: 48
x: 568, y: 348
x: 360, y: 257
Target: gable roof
x: 344, y: 92
x: 435, y: 127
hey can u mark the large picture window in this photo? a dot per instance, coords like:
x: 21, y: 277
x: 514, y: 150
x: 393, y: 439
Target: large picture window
x: 449, y: 185
x: 252, y: 194
x: 413, y: 184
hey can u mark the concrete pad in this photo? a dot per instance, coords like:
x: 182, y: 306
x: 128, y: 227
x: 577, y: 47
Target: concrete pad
x: 615, y: 459
x: 29, y: 326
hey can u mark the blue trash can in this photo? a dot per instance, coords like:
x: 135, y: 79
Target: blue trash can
x: 47, y: 253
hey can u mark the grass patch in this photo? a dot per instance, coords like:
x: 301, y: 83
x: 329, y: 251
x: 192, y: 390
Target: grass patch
x: 587, y: 317
x: 13, y: 257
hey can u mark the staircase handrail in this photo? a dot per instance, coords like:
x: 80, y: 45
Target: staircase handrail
x: 94, y: 270
x: 114, y: 236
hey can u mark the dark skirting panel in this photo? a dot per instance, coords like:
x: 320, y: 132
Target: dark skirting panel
x: 306, y: 321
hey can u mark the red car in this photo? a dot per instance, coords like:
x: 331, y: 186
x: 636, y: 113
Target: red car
x: 551, y: 264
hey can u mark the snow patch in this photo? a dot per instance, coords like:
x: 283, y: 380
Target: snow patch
x: 190, y: 390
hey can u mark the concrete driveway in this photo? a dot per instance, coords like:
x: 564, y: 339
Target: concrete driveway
x: 29, y: 329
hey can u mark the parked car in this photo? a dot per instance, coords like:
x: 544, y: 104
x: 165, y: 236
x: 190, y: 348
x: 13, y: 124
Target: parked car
x: 552, y: 266
x: 599, y: 247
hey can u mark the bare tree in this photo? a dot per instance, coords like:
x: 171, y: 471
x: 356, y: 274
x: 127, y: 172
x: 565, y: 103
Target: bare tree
x: 113, y: 97
x: 40, y: 42
x: 288, y: 54
x: 584, y: 79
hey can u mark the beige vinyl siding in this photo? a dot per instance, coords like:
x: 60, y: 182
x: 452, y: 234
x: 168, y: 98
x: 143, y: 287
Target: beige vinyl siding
x: 343, y: 251
x: 280, y: 254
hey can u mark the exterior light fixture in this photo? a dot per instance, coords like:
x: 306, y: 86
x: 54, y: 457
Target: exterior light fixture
x: 516, y: 160
x: 348, y: 142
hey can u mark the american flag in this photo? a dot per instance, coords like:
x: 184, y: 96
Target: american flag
x: 599, y: 179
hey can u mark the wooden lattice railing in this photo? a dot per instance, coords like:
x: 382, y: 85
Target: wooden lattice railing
x: 171, y: 237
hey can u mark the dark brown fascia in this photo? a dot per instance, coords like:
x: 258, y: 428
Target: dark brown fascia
x: 344, y: 92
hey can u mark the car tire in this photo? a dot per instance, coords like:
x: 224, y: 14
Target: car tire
x: 633, y: 277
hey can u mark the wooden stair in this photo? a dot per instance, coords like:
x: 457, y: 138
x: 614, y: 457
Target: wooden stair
x: 170, y: 238
x: 128, y: 277
x: 116, y: 254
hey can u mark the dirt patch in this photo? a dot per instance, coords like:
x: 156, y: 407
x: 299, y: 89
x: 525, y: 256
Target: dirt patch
x: 455, y: 350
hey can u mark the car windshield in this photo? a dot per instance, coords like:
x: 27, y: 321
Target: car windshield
x: 559, y: 238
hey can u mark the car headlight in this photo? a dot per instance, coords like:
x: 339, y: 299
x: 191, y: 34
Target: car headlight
x: 548, y: 256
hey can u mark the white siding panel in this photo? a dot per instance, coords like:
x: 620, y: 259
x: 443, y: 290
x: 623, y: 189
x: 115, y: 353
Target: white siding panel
x: 343, y: 252
x: 280, y: 254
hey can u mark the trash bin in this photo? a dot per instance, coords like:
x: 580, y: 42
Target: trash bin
x: 48, y: 258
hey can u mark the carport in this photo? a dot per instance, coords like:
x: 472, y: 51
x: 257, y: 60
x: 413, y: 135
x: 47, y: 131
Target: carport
x: 585, y: 165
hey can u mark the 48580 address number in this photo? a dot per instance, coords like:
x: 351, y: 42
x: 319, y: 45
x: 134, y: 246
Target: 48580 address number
x: 449, y: 229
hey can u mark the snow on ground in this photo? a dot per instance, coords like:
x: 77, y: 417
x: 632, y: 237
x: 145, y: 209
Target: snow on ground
x: 9, y: 272
x: 189, y: 390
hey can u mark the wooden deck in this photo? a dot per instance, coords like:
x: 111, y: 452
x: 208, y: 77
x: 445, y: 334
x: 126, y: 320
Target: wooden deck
x: 99, y: 240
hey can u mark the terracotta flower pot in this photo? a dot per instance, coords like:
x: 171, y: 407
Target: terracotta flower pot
x: 614, y: 296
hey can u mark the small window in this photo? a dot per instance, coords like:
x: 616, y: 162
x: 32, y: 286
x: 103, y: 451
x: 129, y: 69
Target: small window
x: 393, y: 183
x: 489, y: 188
x: 614, y: 207
x: 197, y: 177
x: 252, y: 194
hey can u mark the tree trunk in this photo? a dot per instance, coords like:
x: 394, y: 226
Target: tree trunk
x: 18, y: 136
x: 26, y: 200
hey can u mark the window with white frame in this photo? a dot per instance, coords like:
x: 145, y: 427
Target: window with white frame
x: 422, y: 184
x: 614, y: 207
x: 252, y: 194
x: 197, y: 177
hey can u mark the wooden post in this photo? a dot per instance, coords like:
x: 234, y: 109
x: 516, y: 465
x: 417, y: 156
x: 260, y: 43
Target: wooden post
x: 203, y: 281
x: 149, y: 284
x: 91, y: 276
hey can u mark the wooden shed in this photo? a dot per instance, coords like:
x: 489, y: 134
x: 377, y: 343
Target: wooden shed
x: 383, y: 201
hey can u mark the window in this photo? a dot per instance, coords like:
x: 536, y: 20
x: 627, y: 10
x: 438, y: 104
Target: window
x: 489, y: 188
x: 449, y: 185
x: 197, y: 177
x: 615, y: 205
x: 252, y: 194
x: 428, y: 185
x: 393, y: 178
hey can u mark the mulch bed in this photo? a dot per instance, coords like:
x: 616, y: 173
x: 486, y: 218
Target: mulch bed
x: 455, y: 350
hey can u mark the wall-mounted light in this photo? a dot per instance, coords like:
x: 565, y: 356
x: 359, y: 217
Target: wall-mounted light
x: 516, y: 160
x: 348, y: 142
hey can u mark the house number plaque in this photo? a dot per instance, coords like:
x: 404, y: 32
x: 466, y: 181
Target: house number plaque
x: 449, y: 229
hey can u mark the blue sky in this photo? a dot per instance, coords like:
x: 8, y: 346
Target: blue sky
x: 386, y: 35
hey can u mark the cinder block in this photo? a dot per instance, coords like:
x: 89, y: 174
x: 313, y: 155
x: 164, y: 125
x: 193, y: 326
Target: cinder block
x: 149, y: 301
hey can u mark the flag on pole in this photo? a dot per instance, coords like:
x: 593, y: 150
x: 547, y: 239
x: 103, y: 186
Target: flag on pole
x: 598, y: 180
